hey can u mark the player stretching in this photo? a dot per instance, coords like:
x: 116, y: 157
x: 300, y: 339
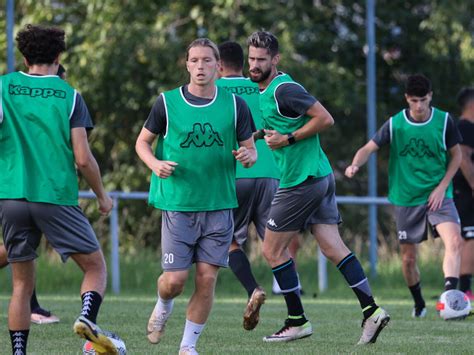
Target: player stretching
x: 198, y: 126
x: 43, y: 123
x: 421, y: 140
x: 306, y: 195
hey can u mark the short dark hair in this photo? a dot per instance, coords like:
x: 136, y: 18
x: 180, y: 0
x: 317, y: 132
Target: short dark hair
x: 465, y: 95
x: 203, y: 42
x: 41, y: 45
x: 418, y: 85
x: 264, y: 39
x: 232, y: 55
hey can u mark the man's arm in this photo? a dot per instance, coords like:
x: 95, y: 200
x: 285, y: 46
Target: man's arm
x: 88, y: 167
x: 247, y: 153
x: 437, y: 195
x: 467, y: 166
x: 361, y: 157
x: 162, y: 168
x: 320, y: 120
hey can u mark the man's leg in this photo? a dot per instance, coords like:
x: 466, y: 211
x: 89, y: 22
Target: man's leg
x: 411, y: 273
x: 293, y: 248
x: 275, y: 251
x: 169, y: 285
x: 23, y: 276
x: 467, y: 267
x: 3, y: 256
x: 200, y: 304
x: 332, y: 246
x: 450, y: 233
x: 240, y: 266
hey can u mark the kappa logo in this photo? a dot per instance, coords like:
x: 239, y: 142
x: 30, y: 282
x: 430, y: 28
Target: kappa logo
x: 36, y: 92
x: 417, y: 148
x: 242, y: 90
x: 271, y: 222
x: 202, y: 136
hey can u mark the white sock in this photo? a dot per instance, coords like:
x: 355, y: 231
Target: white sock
x: 163, y: 306
x: 191, y: 334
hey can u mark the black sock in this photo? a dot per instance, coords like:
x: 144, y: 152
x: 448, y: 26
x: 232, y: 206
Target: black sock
x: 352, y: 271
x: 287, y: 279
x: 91, y: 301
x: 465, y: 282
x: 240, y: 266
x: 417, y: 297
x: 450, y: 283
x: 19, y: 338
x: 34, y: 301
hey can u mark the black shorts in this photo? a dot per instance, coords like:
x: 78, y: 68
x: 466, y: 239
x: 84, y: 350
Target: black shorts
x: 464, y: 201
x: 66, y: 228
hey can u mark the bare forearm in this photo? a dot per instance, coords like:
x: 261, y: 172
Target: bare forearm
x: 313, y: 127
x: 145, y: 153
x: 453, y: 167
x: 361, y: 157
x: 91, y: 172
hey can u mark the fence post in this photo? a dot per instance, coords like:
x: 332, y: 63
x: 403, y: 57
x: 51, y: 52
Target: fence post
x: 114, y: 246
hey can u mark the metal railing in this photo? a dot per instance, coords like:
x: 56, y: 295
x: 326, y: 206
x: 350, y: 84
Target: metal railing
x: 114, y: 232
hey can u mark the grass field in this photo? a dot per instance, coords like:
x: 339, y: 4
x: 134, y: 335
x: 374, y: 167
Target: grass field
x: 335, y: 314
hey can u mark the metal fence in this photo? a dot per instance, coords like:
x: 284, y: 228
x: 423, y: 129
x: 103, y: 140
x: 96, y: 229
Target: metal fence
x: 322, y: 271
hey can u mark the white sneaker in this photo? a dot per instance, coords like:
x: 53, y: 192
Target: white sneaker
x: 156, y: 325
x: 188, y: 350
x: 372, y: 326
x: 418, y: 313
x: 100, y: 339
x: 289, y: 333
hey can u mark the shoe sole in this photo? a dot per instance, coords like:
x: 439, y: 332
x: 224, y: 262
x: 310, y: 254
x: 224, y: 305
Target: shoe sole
x: 383, y: 323
x: 252, y: 311
x: 100, y: 343
x: 152, y: 340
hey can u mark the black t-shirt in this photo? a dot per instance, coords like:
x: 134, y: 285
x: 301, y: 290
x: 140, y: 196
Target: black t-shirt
x: 452, y: 135
x: 466, y: 128
x: 293, y: 100
x: 156, y: 121
x: 81, y: 116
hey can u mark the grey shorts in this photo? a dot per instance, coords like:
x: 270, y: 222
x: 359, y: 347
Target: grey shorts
x: 412, y: 222
x: 189, y: 237
x: 255, y: 198
x: 65, y: 227
x: 311, y: 202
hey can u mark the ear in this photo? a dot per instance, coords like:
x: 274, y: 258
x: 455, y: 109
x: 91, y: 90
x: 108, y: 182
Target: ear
x: 406, y: 97
x: 430, y: 95
x: 56, y: 61
x: 25, y: 61
x: 276, y: 59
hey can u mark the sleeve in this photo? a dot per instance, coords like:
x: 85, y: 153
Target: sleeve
x: 293, y: 100
x: 382, y: 137
x: 245, y: 125
x: 80, y: 115
x: 452, y: 135
x: 156, y: 121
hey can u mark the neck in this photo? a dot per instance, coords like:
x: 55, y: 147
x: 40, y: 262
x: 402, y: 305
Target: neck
x: 43, y: 69
x: 468, y: 115
x: 226, y: 73
x: 421, y: 118
x: 205, y: 91
x: 263, y: 84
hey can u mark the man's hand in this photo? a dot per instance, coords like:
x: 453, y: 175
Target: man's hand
x: 105, y: 205
x: 163, y: 168
x: 351, y: 170
x: 243, y: 155
x: 275, y: 140
x: 436, y: 198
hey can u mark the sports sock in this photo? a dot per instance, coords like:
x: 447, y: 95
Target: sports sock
x: 19, y: 338
x: 191, y: 334
x: 465, y: 282
x: 34, y: 301
x: 352, y: 271
x: 91, y: 301
x: 415, y: 291
x: 285, y: 274
x: 164, y: 305
x: 450, y: 283
x: 240, y: 266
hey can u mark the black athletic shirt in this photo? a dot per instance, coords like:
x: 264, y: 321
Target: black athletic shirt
x: 156, y: 121
x: 452, y: 135
x: 293, y: 100
x: 467, y: 132
x: 81, y: 116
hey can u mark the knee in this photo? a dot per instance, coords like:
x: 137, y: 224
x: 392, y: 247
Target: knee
x: 206, y: 281
x: 455, y: 244
x: 409, y: 261
x: 170, y: 286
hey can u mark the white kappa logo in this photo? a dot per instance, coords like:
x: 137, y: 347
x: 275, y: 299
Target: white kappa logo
x: 272, y: 223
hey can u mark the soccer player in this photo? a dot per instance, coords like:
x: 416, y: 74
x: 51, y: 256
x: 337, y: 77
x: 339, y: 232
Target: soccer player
x: 198, y: 127
x: 464, y: 188
x: 306, y: 194
x: 43, y: 123
x: 424, y: 156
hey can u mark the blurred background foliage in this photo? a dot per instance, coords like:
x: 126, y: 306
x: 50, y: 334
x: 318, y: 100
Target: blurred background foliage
x: 123, y: 53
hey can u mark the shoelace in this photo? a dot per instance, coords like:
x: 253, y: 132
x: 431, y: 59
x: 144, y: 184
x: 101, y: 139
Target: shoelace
x: 284, y: 328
